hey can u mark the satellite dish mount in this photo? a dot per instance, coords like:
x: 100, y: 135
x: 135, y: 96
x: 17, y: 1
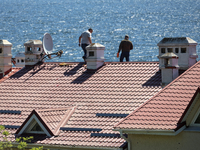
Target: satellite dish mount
x: 47, y: 43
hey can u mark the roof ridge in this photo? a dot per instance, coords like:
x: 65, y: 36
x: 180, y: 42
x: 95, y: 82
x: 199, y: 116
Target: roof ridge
x: 62, y: 108
x: 133, y: 62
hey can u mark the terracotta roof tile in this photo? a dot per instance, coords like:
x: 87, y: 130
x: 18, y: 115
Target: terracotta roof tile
x: 116, y: 88
x: 165, y: 109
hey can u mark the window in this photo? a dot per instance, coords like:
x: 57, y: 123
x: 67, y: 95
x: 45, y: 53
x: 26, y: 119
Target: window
x: 183, y: 50
x: 22, y: 60
x: 1, y: 50
x: 162, y: 50
x: 176, y: 50
x: 170, y: 50
x: 196, y: 119
x: 18, y: 60
x: 38, y: 49
x: 36, y: 127
x: 91, y: 53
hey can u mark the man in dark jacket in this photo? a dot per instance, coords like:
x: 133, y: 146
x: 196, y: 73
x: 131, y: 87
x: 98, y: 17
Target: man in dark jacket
x: 125, y: 46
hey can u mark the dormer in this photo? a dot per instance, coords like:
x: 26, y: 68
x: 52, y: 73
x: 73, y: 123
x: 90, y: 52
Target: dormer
x: 95, y: 56
x: 38, y: 122
x: 183, y: 47
x: 33, y: 51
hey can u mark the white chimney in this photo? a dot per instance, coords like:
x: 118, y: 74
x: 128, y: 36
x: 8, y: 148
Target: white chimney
x: 5, y: 57
x: 33, y: 49
x: 20, y: 60
x: 169, y: 67
x: 183, y: 47
x: 95, y: 56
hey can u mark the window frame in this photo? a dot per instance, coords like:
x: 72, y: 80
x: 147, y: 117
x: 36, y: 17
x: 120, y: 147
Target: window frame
x: 195, y: 118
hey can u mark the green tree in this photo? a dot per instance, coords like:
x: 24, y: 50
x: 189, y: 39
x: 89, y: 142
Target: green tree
x: 5, y: 144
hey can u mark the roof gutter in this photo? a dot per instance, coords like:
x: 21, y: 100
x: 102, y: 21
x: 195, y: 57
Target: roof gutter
x: 150, y: 132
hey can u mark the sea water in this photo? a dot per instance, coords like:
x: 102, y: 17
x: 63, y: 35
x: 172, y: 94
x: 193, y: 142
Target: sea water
x: 145, y: 21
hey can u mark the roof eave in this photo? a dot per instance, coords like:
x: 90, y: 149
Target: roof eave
x: 151, y: 132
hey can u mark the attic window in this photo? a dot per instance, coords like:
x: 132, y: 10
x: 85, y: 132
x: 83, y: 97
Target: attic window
x: 162, y: 50
x: 170, y: 50
x: 183, y: 50
x: 36, y: 128
x: 1, y: 50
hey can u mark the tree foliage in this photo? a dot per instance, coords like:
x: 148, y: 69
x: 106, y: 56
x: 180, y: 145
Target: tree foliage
x: 5, y: 144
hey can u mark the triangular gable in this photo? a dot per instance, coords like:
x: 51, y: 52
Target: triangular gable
x: 46, y: 121
x: 192, y: 113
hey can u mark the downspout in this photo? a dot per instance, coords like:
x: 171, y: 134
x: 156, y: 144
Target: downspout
x: 126, y: 139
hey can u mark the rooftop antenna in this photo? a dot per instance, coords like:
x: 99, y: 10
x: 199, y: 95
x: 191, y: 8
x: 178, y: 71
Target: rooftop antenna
x: 47, y: 43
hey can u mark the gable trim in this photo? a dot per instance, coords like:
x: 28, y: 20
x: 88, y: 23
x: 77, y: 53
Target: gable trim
x: 34, y: 115
x: 195, y: 118
x: 190, y: 106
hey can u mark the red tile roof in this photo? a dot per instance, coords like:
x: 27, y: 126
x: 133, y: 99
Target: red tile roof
x: 116, y: 88
x: 166, y: 109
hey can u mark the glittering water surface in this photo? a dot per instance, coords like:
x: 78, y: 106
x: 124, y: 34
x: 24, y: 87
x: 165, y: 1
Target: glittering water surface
x: 145, y: 21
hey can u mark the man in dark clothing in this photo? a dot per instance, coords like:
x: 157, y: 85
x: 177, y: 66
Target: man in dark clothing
x: 125, y: 46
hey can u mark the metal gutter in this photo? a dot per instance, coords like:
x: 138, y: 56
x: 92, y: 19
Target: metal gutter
x: 151, y: 132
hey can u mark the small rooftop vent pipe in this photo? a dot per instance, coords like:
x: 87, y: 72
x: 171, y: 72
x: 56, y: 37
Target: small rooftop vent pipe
x: 95, y: 56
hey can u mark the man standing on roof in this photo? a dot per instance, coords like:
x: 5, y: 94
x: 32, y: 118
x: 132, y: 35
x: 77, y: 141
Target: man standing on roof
x: 125, y: 46
x: 86, y: 40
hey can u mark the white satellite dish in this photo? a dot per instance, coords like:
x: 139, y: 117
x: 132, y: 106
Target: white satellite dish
x: 47, y: 43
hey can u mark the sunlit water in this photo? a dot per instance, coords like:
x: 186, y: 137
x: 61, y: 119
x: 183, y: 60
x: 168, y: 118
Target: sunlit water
x: 145, y: 21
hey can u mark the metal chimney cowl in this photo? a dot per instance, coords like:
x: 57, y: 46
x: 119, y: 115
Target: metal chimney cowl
x: 95, y: 56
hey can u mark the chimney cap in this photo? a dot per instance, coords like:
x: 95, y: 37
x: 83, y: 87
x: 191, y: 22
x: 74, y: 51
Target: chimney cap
x: 95, y: 46
x: 169, y: 55
x: 33, y: 42
x: 5, y: 42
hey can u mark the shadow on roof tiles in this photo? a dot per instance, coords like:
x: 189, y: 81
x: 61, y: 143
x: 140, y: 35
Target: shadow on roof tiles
x: 21, y: 72
x: 74, y: 70
x: 155, y: 80
x: 83, y: 77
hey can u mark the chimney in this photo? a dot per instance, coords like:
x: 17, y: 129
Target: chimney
x: 20, y: 60
x: 33, y: 52
x: 95, y: 56
x: 183, y: 47
x: 169, y: 67
x: 5, y: 57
